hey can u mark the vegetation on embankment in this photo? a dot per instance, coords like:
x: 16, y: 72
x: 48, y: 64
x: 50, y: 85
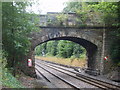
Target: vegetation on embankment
x: 62, y: 52
x: 8, y: 80
x: 16, y: 26
x: 61, y: 48
x: 77, y: 62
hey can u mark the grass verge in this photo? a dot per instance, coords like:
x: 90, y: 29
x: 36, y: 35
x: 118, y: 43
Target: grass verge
x: 69, y: 61
x: 8, y: 80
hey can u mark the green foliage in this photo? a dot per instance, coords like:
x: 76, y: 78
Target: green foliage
x: 51, y: 48
x: 16, y: 25
x: 115, y: 51
x: 50, y: 22
x: 41, y: 49
x: 99, y: 13
x: 115, y: 46
x: 95, y: 12
x: 79, y: 9
x: 69, y: 49
x: 61, y: 18
x: 62, y: 48
x: 57, y: 20
x: 8, y: 80
x: 72, y: 6
x: 79, y: 51
x: 38, y: 51
x: 108, y: 11
x: 110, y: 17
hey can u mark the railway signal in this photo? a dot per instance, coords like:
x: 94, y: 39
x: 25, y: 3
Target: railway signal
x: 106, y: 58
x: 29, y: 62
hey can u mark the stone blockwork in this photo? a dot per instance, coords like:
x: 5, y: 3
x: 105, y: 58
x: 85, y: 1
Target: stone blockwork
x: 107, y: 40
x: 94, y: 40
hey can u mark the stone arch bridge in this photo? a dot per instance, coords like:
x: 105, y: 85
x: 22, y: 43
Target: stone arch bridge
x: 96, y: 41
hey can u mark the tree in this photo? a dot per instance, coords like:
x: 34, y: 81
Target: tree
x: 16, y: 25
x: 69, y: 47
x: 108, y: 11
x: 99, y: 13
x: 38, y: 50
x: 61, y: 49
x: 72, y: 6
x: 51, y: 48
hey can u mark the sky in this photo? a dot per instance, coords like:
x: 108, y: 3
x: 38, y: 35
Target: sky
x: 44, y: 6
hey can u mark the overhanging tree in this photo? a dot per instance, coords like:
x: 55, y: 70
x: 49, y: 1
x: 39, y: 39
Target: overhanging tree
x: 16, y: 25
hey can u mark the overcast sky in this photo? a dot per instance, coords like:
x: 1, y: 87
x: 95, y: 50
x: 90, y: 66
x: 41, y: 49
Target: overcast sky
x: 45, y: 6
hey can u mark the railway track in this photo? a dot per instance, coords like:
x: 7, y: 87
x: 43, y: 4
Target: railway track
x: 71, y: 84
x: 97, y: 83
x: 61, y: 77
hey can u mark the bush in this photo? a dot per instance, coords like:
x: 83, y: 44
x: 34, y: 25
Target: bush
x: 115, y: 52
x: 8, y: 80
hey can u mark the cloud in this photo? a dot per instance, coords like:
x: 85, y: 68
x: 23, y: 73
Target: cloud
x: 45, y: 6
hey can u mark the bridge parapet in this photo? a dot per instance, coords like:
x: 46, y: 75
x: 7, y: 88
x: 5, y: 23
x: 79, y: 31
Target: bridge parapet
x: 66, y: 19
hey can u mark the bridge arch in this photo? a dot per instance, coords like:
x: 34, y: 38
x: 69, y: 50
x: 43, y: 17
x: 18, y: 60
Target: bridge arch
x: 90, y: 48
x: 94, y: 36
x: 90, y: 39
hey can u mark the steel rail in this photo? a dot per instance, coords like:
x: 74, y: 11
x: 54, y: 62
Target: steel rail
x: 43, y: 75
x: 115, y: 86
x: 83, y: 76
x: 82, y: 79
x: 96, y: 81
x: 71, y: 84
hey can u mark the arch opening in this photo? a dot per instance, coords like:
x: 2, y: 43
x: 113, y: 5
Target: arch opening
x: 62, y: 52
x: 91, y: 49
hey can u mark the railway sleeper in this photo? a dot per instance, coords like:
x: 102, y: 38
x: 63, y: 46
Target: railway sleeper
x: 92, y: 72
